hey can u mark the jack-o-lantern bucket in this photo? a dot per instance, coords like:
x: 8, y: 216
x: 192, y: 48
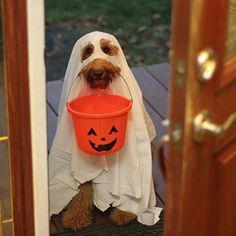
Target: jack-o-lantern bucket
x: 100, y: 122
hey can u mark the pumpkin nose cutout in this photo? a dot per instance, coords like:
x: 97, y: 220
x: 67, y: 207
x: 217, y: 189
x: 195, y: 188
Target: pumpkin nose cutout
x: 103, y: 139
x: 98, y: 73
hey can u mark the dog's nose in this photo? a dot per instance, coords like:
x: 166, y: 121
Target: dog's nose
x: 98, y: 73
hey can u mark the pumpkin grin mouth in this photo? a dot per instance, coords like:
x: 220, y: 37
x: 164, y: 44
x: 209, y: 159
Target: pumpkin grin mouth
x: 103, y: 147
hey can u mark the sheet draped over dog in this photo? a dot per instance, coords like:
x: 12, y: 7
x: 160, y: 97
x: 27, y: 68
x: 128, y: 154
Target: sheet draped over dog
x: 122, y: 179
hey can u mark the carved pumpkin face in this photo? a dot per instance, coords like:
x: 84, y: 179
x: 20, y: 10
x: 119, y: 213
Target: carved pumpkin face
x: 102, y: 142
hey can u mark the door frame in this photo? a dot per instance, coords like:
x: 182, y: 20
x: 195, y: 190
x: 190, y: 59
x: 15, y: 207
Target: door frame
x: 38, y: 112
x: 26, y: 88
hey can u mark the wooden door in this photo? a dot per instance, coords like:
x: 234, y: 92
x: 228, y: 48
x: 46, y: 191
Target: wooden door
x: 201, y: 176
x: 16, y: 188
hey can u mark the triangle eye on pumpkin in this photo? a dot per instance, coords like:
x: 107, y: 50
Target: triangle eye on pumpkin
x: 113, y: 129
x: 91, y: 131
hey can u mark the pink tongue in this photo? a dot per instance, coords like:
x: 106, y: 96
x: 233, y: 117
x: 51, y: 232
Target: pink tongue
x: 100, y: 84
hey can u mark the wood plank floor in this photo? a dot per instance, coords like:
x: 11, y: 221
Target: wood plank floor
x: 153, y: 81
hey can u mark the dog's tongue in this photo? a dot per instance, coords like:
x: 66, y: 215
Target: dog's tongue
x: 101, y: 90
x: 100, y: 84
x: 95, y: 91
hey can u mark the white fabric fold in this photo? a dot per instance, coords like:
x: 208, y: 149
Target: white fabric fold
x: 122, y: 179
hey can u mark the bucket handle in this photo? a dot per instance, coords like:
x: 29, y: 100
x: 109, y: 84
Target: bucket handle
x: 127, y: 87
x: 120, y: 76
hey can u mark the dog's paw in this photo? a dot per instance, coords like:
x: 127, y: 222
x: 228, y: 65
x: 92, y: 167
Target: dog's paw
x: 122, y: 217
x: 78, y: 222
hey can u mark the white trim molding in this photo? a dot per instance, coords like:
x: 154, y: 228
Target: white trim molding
x: 37, y: 85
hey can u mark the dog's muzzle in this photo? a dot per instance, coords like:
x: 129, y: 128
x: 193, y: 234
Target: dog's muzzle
x: 99, y: 73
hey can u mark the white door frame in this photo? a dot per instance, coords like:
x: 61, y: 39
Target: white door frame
x: 37, y: 86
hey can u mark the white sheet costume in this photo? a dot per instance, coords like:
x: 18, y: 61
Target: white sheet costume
x: 123, y: 179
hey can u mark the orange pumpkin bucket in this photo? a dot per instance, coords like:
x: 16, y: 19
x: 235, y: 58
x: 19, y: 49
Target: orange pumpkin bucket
x: 100, y: 122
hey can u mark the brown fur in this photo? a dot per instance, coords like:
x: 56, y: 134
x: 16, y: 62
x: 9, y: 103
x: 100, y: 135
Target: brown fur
x: 121, y: 217
x: 99, y: 73
x: 108, y: 48
x: 87, y: 51
x: 79, y: 213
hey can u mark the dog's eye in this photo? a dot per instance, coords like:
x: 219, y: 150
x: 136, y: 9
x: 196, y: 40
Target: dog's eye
x: 88, y: 50
x: 106, y: 50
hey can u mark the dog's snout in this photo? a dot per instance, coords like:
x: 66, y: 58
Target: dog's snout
x: 98, y: 73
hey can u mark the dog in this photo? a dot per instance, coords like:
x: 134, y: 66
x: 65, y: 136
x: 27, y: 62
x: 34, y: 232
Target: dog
x: 98, y: 74
x: 121, y: 181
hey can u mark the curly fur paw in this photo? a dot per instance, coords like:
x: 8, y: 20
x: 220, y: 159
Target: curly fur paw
x: 77, y: 222
x: 79, y: 213
x: 122, y: 217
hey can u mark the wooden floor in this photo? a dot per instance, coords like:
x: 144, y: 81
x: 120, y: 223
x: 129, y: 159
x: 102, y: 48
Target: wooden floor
x: 153, y: 81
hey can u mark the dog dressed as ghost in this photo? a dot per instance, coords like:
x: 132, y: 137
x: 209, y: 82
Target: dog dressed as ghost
x: 121, y: 180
